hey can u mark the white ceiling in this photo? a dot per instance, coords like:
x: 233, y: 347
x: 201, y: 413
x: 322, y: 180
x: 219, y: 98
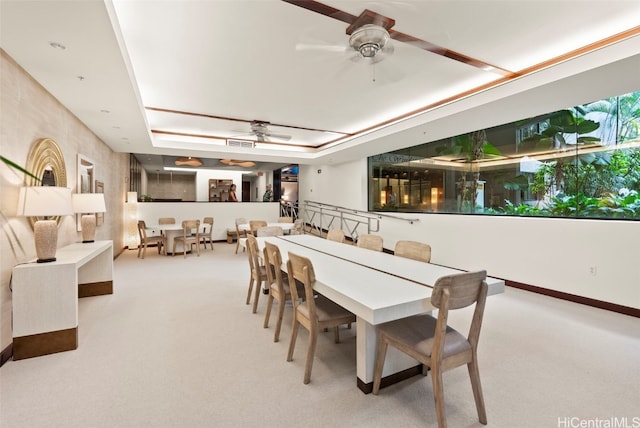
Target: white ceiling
x: 130, y: 66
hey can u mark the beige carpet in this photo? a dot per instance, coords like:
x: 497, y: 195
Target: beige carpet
x: 175, y: 346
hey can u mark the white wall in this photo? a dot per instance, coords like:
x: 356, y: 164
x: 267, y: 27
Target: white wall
x: 556, y: 254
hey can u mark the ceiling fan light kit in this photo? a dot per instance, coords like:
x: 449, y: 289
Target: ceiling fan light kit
x: 368, y: 40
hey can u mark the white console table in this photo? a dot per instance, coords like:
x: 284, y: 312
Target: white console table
x: 45, y: 297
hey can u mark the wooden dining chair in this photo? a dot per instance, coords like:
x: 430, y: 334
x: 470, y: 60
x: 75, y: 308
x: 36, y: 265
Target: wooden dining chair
x: 278, y: 286
x: 298, y: 227
x: 370, y: 242
x: 166, y: 220
x: 436, y: 345
x: 258, y: 271
x: 240, y: 233
x: 254, y: 225
x: 206, y: 237
x: 315, y: 313
x: 413, y: 250
x: 146, y: 240
x: 269, y: 231
x: 190, y: 236
x: 336, y: 235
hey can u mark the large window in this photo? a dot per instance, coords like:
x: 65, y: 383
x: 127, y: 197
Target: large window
x: 579, y: 162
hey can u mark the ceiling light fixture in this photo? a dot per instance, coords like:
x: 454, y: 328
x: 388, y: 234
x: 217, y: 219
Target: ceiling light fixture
x: 188, y: 161
x: 232, y: 162
x: 369, y: 39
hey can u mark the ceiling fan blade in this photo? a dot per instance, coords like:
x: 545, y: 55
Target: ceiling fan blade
x: 279, y: 136
x: 321, y: 47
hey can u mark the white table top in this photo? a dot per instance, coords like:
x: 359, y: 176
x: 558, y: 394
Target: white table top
x: 284, y: 226
x: 367, y: 289
x: 413, y: 270
x: 77, y: 254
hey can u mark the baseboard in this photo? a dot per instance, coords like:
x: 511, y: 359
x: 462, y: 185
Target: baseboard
x: 614, y: 307
x: 367, y: 388
x: 6, y: 354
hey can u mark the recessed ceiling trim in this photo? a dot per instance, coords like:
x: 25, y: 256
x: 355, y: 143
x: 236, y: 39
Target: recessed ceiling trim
x: 235, y: 119
x: 215, y: 137
x: 616, y: 38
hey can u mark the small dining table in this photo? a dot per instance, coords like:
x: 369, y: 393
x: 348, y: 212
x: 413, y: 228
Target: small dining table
x: 375, y: 286
x: 172, y: 231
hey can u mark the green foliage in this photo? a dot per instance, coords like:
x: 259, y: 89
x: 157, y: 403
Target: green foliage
x: 623, y: 205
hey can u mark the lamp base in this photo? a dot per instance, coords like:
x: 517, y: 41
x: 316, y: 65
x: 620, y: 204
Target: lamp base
x: 85, y: 242
x: 88, y: 223
x: 45, y: 233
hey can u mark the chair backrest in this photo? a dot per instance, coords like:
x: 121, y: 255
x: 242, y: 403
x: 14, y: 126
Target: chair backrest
x: 459, y: 291
x: 297, y: 228
x: 142, y: 226
x: 300, y: 269
x: 370, y: 242
x: 208, y: 221
x: 190, y: 228
x: 253, y: 252
x: 240, y: 221
x: 270, y: 231
x: 413, y: 250
x: 336, y: 235
x: 285, y: 220
x: 167, y: 220
x: 255, y: 224
x: 273, y: 265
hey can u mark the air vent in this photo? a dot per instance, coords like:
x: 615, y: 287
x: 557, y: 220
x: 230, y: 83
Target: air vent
x: 240, y: 143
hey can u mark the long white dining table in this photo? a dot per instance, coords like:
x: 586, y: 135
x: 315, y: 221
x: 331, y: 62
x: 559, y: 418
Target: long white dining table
x: 285, y: 226
x: 375, y: 286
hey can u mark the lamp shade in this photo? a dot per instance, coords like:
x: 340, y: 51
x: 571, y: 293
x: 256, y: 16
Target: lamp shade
x: 88, y: 203
x: 44, y: 201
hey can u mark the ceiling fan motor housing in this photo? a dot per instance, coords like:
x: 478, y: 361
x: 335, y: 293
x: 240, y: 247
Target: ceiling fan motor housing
x: 369, y: 39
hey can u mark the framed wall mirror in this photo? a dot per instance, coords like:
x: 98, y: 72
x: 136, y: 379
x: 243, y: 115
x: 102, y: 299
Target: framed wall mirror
x: 86, y: 173
x: 45, y: 161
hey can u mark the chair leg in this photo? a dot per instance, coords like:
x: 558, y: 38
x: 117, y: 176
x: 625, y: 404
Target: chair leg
x: 139, y: 249
x: 144, y: 250
x: 276, y: 335
x: 267, y: 314
x: 294, y: 337
x: 256, y: 295
x: 438, y: 396
x: 474, y: 374
x: 250, y: 289
x: 237, y: 243
x: 381, y: 353
x: 311, y: 350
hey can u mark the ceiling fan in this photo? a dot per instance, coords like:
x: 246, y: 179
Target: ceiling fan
x: 368, y: 17
x: 260, y: 130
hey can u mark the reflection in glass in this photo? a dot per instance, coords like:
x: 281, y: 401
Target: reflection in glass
x: 581, y: 162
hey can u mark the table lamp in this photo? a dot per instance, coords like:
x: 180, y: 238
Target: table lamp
x: 88, y: 204
x: 45, y: 201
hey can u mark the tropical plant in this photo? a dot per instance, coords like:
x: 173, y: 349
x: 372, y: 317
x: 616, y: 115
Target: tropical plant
x: 11, y: 233
x: 471, y: 147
